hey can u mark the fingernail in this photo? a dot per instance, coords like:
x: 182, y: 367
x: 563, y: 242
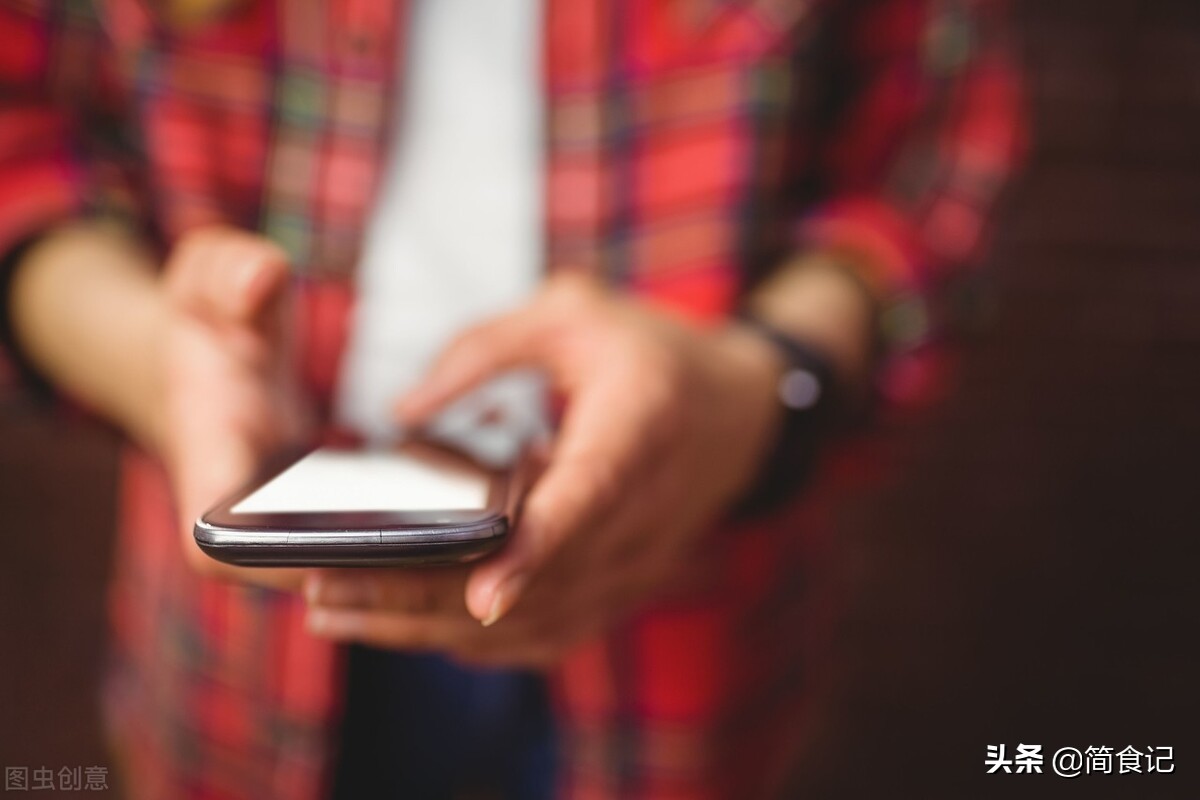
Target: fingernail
x: 505, y: 598
x: 342, y: 593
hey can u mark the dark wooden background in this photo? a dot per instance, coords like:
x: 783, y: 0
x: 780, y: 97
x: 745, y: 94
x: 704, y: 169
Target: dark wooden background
x: 1027, y: 578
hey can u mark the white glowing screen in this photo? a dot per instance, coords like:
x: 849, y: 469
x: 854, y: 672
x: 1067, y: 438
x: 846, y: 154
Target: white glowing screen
x: 329, y: 480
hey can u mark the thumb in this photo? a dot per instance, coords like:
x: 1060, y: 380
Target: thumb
x: 227, y: 276
x: 494, y: 588
x: 581, y: 480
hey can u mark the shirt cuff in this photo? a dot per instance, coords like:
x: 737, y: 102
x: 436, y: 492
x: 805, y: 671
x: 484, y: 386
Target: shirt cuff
x: 877, y: 244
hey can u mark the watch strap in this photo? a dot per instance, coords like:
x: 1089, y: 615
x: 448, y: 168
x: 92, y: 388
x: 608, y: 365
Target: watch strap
x: 806, y: 391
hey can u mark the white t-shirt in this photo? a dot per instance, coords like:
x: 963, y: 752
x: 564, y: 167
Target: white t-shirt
x: 456, y: 234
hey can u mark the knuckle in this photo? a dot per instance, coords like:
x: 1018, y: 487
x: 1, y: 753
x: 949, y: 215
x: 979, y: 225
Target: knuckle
x: 539, y: 509
x: 664, y: 397
x: 582, y: 492
x: 417, y: 597
x: 659, y: 391
x: 426, y: 599
x: 542, y: 525
x: 664, y: 368
x: 401, y: 632
x: 602, y: 486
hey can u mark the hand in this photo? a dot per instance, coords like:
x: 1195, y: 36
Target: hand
x: 230, y: 396
x: 664, y: 426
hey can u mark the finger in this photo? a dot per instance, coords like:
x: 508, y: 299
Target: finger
x: 613, y: 563
x: 604, y: 440
x: 509, y: 646
x: 256, y: 276
x: 427, y: 592
x: 289, y: 579
x: 551, y: 620
x: 195, y: 494
x: 533, y: 336
x: 225, y: 275
x: 512, y: 645
x: 392, y: 630
x: 509, y: 342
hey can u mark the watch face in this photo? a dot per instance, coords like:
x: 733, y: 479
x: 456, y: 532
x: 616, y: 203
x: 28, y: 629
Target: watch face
x: 799, y: 389
x: 809, y: 376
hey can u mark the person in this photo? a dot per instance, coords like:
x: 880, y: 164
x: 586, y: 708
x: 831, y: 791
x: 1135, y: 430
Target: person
x: 203, y: 206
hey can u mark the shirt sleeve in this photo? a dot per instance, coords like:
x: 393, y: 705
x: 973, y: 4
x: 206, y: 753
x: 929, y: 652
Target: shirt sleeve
x: 918, y: 134
x: 65, y: 150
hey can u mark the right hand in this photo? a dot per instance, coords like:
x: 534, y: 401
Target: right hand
x: 231, y: 395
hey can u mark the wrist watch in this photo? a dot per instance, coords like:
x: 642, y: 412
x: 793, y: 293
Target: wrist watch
x: 806, y: 391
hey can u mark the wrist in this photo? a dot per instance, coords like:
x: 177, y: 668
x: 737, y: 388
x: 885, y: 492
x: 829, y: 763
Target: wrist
x: 757, y: 362
x: 820, y: 300
x: 803, y: 392
x: 752, y: 367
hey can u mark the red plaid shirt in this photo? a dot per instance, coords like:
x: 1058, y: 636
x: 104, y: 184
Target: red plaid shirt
x: 691, y: 145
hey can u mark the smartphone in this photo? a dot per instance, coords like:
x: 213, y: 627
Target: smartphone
x: 411, y: 504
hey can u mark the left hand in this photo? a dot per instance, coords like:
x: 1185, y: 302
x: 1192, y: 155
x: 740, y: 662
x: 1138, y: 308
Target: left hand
x: 664, y: 427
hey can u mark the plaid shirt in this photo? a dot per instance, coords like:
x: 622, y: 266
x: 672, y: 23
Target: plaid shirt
x: 691, y: 145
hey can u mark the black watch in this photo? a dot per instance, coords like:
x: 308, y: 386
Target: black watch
x: 807, y: 393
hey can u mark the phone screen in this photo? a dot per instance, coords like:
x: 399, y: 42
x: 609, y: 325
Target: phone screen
x: 329, y: 480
